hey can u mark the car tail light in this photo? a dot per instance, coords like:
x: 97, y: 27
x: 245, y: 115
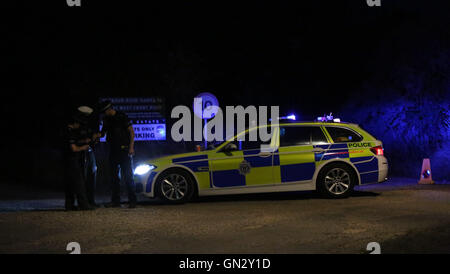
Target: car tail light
x: 378, y: 150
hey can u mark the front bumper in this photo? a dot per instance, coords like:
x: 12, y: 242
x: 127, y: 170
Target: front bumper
x: 144, y: 183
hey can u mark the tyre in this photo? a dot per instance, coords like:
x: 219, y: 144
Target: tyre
x: 175, y: 186
x: 336, y: 180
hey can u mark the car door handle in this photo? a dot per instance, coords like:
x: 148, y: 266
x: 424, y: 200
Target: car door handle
x: 265, y: 154
x: 318, y: 150
x: 203, y: 168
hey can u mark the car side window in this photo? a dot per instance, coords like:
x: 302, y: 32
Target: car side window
x: 246, y: 144
x: 301, y: 135
x: 295, y: 136
x: 339, y: 135
x: 317, y: 136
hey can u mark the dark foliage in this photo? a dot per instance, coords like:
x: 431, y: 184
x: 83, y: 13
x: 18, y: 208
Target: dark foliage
x: 407, y: 104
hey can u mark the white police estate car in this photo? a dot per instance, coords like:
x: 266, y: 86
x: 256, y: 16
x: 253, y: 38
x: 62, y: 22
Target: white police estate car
x: 329, y: 157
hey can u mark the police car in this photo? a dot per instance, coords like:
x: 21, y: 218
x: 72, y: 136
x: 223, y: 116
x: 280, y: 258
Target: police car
x: 325, y: 156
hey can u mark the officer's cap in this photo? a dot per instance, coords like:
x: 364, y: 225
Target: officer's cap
x: 103, y: 106
x: 85, y: 110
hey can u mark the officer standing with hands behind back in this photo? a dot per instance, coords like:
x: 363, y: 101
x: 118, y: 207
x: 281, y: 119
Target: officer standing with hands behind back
x: 120, y: 137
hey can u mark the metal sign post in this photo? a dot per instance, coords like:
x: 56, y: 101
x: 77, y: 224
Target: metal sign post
x: 210, y: 107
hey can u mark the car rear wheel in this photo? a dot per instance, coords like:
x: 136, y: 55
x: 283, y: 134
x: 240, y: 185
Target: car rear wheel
x: 336, y: 181
x: 175, y: 186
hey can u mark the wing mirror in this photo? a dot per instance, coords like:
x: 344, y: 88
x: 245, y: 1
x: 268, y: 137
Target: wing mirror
x: 229, y: 147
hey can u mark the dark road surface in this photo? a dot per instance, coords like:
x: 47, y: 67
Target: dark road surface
x: 400, y: 215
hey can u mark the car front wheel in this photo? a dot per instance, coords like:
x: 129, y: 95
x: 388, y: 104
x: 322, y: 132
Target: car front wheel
x: 175, y: 186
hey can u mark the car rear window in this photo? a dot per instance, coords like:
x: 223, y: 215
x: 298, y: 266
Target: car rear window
x: 340, y: 135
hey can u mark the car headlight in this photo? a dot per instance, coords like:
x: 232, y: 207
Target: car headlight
x: 143, y: 169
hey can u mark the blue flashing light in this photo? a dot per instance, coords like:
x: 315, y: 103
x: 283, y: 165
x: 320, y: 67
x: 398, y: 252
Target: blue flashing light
x: 291, y: 117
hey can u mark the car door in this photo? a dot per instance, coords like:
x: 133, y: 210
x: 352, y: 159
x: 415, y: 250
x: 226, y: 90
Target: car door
x: 246, y: 165
x: 295, y: 160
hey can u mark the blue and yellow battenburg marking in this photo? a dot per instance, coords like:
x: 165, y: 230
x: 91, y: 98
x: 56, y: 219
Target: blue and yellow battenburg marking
x: 148, y: 187
x: 198, y: 164
x: 285, y: 165
x: 364, y: 161
x: 226, y: 170
x: 214, y: 169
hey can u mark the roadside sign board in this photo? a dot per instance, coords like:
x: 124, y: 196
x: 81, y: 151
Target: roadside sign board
x: 145, y: 113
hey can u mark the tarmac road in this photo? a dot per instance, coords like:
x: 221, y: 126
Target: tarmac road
x: 400, y: 215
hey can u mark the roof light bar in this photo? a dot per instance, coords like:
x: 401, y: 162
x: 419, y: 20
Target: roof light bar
x: 328, y: 118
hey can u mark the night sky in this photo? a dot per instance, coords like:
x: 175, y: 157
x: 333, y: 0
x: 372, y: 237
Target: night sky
x: 308, y: 58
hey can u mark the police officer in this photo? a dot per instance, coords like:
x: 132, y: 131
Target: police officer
x: 75, y: 145
x: 120, y: 136
x: 90, y: 129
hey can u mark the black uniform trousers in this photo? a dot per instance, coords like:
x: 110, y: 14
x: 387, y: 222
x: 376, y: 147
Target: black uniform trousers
x: 121, y: 161
x: 90, y: 175
x: 75, y: 188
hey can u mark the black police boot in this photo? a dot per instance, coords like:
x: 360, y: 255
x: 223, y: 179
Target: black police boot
x: 87, y: 208
x: 71, y: 208
x: 113, y: 205
x: 83, y: 203
x: 70, y: 203
x: 94, y: 205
